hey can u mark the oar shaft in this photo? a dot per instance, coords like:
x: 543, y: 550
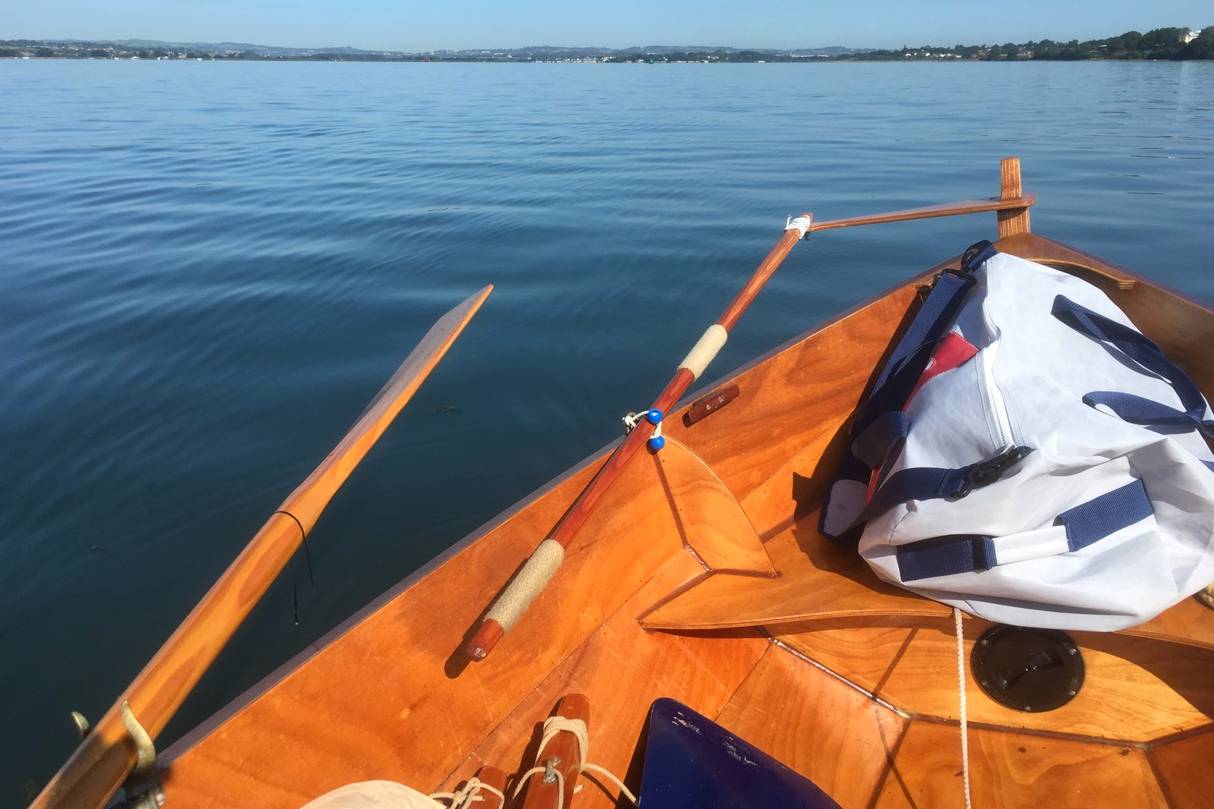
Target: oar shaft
x: 1017, y: 202
x: 539, y: 568
x: 107, y: 753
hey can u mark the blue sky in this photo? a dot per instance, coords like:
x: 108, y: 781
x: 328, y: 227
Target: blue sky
x: 433, y: 24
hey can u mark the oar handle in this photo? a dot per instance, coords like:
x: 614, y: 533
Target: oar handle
x: 523, y: 589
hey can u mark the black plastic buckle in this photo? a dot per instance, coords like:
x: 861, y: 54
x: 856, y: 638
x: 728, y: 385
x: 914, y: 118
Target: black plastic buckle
x: 984, y: 473
x: 976, y: 254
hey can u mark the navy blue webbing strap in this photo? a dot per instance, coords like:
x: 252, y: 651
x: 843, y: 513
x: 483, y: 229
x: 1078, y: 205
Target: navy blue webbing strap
x: 932, y: 483
x: 1085, y: 524
x: 873, y: 444
x: 879, y: 426
x: 1106, y: 514
x: 945, y: 556
x: 1150, y: 360
x: 910, y: 357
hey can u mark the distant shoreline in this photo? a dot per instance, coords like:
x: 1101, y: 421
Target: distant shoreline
x: 1160, y: 44
x: 857, y: 61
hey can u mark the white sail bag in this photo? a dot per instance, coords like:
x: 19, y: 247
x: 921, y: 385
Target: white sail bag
x: 1028, y: 456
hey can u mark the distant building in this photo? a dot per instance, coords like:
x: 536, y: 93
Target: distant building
x: 1189, y: 36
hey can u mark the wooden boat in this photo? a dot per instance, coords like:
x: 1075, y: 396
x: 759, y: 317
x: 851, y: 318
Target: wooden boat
x: 700, y: 576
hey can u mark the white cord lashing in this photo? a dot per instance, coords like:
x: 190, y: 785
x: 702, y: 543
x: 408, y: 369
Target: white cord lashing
x: 560, y: 724
x: 705, y: 349
x: 468, y: 794
x: 537, y: 571
x: 965, y: 742
x: 801, y: 223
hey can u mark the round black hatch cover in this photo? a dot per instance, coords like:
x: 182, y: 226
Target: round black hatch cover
x: 1027, y: 669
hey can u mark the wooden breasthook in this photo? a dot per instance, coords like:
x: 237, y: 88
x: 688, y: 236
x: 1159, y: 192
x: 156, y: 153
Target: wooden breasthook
x: 122, y: 739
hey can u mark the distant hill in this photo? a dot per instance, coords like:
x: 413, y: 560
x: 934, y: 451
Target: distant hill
x: 1160, y: 43
x: 243, y: 47
x: 157, y: 47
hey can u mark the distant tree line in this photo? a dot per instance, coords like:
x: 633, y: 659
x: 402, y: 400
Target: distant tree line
x: 1161, y: 43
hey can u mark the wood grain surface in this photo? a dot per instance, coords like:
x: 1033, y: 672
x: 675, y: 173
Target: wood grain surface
x: 563, y: 755
x: 1015, y: 220
x: 1134, y: 689
x: 1185, y: 772
x: 824, y: 729
x: 1016, y: 771
x: 708, y: 518
x: 622, y: 671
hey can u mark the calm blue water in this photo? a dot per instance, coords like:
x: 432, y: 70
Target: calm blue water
x: 206, y: 270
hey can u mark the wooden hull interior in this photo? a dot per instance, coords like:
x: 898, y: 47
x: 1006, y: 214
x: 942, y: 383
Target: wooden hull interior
x: 702, y: 577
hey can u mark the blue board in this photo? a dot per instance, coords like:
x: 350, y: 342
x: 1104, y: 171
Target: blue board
x: 693, y: 763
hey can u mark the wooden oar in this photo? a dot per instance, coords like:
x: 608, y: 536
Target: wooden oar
x: 544, y: 561
x: 107, y: 754
x: 547, y: 558
x: 930, y: 212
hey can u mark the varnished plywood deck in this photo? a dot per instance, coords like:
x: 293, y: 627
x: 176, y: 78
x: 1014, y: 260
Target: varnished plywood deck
x: 835, y: 735
x: 1016, y: 771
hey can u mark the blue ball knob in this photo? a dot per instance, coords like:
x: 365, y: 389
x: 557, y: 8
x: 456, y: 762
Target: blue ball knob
x: 654, y: 416
x: 656, y: 443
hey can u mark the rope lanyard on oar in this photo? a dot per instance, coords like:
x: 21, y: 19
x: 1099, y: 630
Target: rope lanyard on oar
x: 644, y: 429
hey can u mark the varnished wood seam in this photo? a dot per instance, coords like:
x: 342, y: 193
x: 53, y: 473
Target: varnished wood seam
x: 856, y: 686
x: 1180, y: 735
x: 742, y: 681
x: 1046, y: 734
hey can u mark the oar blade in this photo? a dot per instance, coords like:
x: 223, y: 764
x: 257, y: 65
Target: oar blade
x: 427, y: 353
x: 310, y: 497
